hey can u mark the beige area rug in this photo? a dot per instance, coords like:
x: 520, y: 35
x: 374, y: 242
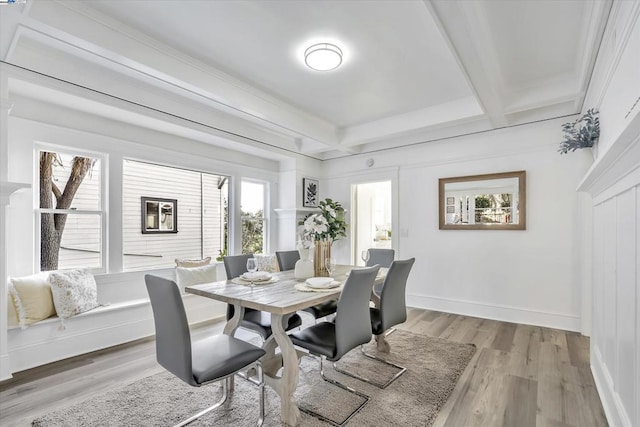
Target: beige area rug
x: 434, y: 366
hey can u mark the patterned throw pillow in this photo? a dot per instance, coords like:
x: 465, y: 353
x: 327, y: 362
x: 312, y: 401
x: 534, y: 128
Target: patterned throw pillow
x: 74, y: 292
x: 191, y: 263
x: 267, y: 262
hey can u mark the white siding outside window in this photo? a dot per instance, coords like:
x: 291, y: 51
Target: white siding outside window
x: 200, y: 215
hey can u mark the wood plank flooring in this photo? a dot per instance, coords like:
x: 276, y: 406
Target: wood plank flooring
x: 520, y: 376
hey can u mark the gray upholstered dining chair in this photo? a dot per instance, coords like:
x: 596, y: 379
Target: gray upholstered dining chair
x: 215, y: 358
x: 287, y: 261
x: 382, y: 257
x: 253, y: 320
x: 392, y: 311
x: 351, y: 328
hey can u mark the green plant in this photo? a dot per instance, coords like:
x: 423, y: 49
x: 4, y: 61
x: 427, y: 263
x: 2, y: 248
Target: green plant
x: 329, y: 223
x: 582, y: 133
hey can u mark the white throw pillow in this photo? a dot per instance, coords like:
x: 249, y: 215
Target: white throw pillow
x: 74, y: 292
x: 194, y: 276
x: 191, y: 263
x: 31, y: 299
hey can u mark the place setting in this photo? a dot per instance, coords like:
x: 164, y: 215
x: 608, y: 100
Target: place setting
x: 253, y: 277
x: 321, y: 284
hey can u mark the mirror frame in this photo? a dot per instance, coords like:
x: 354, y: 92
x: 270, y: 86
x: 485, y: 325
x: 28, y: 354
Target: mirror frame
x: 522, y: 201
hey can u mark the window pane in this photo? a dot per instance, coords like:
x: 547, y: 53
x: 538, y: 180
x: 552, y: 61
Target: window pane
x: 252, y: 203
x: 252, y: 236
x: 80, y: 245
x: 252, y: 212
x: 75, y: 179
x: 201, y: 222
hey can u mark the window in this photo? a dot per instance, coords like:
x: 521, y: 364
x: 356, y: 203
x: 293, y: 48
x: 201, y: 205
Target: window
x: 253, y: 218
x: 197, y: 228
x: 70, y: 211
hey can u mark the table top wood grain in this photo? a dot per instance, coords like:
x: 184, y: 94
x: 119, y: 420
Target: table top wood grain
x: 280, y: 297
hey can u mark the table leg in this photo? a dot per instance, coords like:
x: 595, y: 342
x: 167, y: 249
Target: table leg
x: 286, y: 385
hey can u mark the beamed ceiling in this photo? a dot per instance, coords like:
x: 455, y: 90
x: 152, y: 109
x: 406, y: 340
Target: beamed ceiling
x: 232, y: 72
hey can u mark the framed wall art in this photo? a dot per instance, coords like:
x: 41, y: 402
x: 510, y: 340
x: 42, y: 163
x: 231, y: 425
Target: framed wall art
x: 159, y: 215
x: 310, y: 192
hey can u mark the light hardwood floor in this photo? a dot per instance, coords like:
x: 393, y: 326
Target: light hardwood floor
x: 520, y: 376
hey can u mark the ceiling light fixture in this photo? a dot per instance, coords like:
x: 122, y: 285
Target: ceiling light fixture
x: 323, y: 57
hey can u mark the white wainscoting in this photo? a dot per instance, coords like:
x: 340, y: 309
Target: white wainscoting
x: 614, y: 184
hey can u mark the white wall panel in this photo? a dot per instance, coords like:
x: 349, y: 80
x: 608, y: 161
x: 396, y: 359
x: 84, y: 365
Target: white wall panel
x: 626, y: 292
x: 610, y: 299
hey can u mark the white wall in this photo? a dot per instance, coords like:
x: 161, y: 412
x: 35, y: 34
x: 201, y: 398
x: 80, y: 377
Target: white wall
x: 613, y: 184
x: 529, y: 276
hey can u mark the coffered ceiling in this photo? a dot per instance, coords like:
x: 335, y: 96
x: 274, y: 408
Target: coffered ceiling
x: 412, y: 72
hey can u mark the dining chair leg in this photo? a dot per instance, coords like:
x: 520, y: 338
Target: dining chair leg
x: 367, y: 380
x: 344, y: 387
x: 225, y: 394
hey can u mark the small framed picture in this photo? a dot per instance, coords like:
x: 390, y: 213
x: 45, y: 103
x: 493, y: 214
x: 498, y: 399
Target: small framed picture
x: 451, y: 200
x: 159, y: 215
x: 451, y: 209
x: 310, y: 192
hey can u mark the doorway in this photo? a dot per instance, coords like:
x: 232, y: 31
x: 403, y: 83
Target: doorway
x: 371, y: 217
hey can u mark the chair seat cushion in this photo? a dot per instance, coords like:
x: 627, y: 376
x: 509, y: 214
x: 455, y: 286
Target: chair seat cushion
x: 319, y: 339
x: 376, y: 321
x: 260, y: 322
x: 221, y: 355
x: 322, y: 310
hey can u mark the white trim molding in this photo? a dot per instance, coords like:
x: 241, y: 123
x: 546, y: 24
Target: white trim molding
x: 504, y: 313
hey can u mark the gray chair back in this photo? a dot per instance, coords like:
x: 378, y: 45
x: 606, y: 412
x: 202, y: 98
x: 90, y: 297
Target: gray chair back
x: 235, y: 265
x: 287, y: 259
x: 393, y: 306
x: 381, y: 257
x: 353, y: 321
x: 173, y: 339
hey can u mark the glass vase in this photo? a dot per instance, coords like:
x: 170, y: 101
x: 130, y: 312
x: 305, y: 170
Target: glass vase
x: 321, y: 258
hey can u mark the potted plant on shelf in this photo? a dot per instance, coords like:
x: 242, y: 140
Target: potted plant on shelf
x: 323, y: 228
x: 583, y: 133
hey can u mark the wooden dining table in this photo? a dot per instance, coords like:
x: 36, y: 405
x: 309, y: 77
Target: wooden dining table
x: 281, y: 299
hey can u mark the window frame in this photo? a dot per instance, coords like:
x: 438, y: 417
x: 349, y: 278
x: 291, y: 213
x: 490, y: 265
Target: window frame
x: 102, y: 212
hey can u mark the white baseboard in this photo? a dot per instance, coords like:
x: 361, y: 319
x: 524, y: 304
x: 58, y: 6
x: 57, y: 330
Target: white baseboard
x: 496, y: 312
x: 5, y: 370
x: 611, y: 403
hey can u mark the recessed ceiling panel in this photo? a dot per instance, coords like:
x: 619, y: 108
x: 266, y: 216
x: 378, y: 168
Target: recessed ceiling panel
x: 395, y: 59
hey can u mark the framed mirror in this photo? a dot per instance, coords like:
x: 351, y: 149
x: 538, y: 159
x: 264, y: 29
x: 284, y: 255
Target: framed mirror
x: 495, y: 201
x: 159, y: 215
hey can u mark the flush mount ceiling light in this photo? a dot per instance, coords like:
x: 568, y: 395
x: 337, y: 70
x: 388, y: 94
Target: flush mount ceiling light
x: 323, y: 57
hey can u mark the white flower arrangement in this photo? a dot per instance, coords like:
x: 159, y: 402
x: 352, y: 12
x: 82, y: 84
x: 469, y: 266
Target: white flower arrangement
x: 328, y: 224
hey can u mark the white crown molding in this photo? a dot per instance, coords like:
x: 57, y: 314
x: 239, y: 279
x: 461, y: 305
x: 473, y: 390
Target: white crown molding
x: 622, y: 18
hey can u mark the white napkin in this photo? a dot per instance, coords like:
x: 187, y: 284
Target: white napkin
x: 256, y: 276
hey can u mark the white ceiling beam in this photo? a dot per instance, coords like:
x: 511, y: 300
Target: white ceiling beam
x: 464, y: 30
